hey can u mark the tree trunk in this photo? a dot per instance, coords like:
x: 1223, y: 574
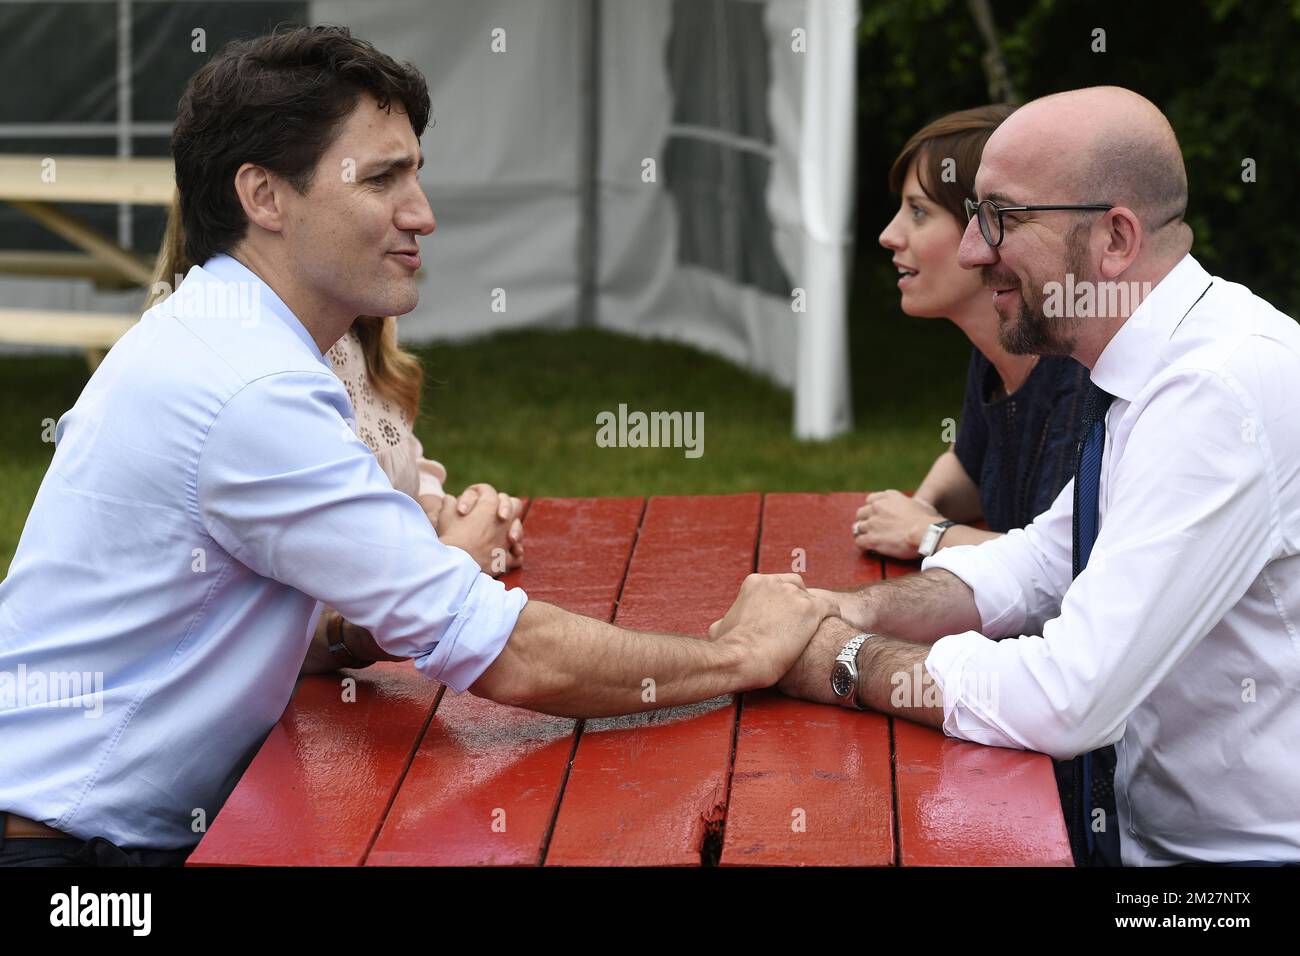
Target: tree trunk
x: 995, y: 66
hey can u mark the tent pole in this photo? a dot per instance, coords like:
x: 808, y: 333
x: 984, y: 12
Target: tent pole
x: 589, y: 166
x: 822, y: 400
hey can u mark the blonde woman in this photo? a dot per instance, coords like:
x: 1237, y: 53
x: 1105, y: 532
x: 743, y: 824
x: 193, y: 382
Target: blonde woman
x: 383, y: 383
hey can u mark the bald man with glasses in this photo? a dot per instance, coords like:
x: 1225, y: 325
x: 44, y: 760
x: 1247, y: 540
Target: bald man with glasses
x: 1152, y: 607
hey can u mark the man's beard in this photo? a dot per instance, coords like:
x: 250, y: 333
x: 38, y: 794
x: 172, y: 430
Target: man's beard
x: 1030, y: 331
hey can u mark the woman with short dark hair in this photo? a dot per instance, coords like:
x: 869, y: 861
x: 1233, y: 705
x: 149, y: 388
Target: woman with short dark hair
x: 1015, y: 445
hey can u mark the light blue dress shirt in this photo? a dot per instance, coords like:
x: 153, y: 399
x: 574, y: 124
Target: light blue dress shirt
x: 207, y: 493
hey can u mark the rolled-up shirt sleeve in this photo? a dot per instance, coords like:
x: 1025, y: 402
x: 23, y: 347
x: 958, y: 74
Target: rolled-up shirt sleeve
x: 1185, y: 533
x: 1019, y: 578
x: 287, y: 488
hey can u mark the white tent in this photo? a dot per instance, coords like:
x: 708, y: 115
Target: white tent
x: 672, y: 168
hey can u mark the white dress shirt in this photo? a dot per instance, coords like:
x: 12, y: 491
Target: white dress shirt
x: 206, y: 493
x: 1178, y: 642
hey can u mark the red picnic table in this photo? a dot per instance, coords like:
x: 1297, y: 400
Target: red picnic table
x: 408, y: 774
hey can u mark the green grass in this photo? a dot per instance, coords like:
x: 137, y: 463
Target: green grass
x: 519, y: 410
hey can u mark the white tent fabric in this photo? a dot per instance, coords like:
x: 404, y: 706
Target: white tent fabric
x: 749, y: 103
x: 826, y: 162
x: 500, y: 165
x: 504, y: 176
x: 645, y: 290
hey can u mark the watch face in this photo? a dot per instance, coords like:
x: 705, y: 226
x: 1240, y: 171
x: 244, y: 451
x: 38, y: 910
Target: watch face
x: 842, y: 680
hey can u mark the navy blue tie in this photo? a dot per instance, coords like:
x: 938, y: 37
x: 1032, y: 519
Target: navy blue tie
x: 1087, y: 491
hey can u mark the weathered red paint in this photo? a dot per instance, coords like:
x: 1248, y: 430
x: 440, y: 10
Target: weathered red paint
x: 965, y: 804
x: 812, y: 534
x: 651, y: 789
x: 481, y: 791
x: 485, y: 782
x: 318, y: 788
x: 812, y: 784
x: 691, y: 557
x: 576, y: 552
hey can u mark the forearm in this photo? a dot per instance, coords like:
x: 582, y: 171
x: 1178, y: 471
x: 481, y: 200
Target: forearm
x: 933, y: 489
x: 893, y: 680
x: 960, y: 534
x: 318, y: 659
x: 810, y: 678
x: 572, y: 666
x: 950, y: 490
x: 916, y: 607
x: 358, y: 641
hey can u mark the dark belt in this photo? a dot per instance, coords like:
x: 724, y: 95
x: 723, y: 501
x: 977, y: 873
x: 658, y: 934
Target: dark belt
x: 18, y: 827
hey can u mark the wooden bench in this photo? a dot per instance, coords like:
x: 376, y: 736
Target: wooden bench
x: 34, y: 184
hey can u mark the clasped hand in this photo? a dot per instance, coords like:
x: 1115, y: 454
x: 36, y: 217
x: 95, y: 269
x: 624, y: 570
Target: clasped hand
x: 771, y: 623
x: 892, y: 524
x: 483, y: 522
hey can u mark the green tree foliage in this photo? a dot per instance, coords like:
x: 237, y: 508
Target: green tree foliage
x: 1225, y: 72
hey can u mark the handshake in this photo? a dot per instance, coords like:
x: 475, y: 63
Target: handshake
x: 790, y: 634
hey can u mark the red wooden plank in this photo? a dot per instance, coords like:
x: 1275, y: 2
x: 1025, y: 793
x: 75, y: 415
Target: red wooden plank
x: 484, y: 783
x: 576, y: 552
x: 812, y: 784
x: 965, y: 804
x: 812, y: 535
x: 650, y: 789
x: 691, y: 557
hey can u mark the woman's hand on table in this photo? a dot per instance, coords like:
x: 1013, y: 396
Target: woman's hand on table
x: 893, y: 524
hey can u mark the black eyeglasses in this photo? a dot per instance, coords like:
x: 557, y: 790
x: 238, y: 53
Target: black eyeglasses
x: 990, y: 213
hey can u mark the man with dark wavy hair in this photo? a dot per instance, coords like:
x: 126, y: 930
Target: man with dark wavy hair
x: 206, y: 492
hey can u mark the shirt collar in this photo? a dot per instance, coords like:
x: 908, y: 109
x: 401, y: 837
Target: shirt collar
x: 226, y: 268
x: 1133, y: 353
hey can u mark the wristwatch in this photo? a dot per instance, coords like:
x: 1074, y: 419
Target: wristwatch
x: 844, y: 675
x: 930, y: 541
x: 338, y: 648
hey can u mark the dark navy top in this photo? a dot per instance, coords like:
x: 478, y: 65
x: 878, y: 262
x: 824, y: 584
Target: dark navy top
x: 1020, y: 448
